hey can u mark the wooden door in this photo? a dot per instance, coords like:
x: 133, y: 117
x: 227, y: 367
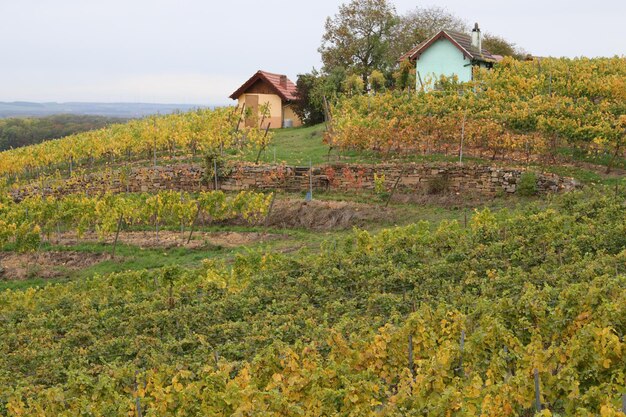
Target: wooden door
x: 252, y: 103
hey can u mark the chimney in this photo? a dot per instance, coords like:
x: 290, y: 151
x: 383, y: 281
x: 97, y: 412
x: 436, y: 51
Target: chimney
x: 283, y: 81
x: 477, y: 39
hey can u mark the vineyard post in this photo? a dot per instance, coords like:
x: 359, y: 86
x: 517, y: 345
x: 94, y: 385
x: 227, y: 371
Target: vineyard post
x: 193, y: 224
x: 243, y: 108
x: 624, y: 403
x: 461, y: 348
x: 395, y: 186
x: 309, y: 195
x: 411, y: 364
x: 269, y: 210
x: 462, y: 137
x: 215, y: 172
x: 182, y: 223
x: 117, y: 234
x: 137, y: 399
x: 537, y: 392
x: 263, y: 143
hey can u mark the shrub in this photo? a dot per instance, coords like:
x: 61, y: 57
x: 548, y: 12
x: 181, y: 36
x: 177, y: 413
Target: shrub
x: 527, y: 185
x: 438, y: 185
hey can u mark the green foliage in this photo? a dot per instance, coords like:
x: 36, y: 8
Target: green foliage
x: 357, y: 37
x: 527, y: 184
x: 23, y: 224
x: 376, y: 81
x: 17, y: 132
x: 354, y: 85
x: 497, y: 45
x: 438, y: 185
x: 327, y: 333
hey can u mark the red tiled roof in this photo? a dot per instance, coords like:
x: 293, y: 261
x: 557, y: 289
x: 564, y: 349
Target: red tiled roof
x: 286, y: 92
x: 463, y: 41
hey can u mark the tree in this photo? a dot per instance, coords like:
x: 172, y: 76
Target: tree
x: 354, y: 85
x: 420, y: 24
x: 357, y: 38
x: 497, y: 45
x: 405, y: 75
x: 308, y: 106
x: 377, y: 81
x: 313, y: 87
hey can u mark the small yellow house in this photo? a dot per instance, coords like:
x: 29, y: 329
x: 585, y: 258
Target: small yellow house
x: 275, y: 90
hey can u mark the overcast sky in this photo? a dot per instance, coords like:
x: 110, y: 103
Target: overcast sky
x: 199, y: 51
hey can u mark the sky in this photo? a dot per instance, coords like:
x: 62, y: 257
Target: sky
x: 200, y: 51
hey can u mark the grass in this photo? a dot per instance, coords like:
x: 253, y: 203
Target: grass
x: 301, y: 145
x: 130, y: 257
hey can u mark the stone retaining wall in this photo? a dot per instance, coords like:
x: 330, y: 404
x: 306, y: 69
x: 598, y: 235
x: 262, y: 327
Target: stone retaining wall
x: 411, y: 178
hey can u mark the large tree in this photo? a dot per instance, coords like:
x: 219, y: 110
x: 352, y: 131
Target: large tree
x: 499, y: 46
x: 418, y: 25
x: 357, y: 38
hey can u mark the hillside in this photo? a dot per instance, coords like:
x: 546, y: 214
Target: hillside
x: 122, y: 110
x: 438, y: 318
x: 189, y: 264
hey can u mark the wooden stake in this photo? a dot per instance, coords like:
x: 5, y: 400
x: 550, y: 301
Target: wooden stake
x: 215, y: 172
x: 269, y: 210
x: 137, y: 399
x: 411, y: 364
x: 461, y: 348
x: 393, y: 190
x: 537, y: 392
x: 193, y: 225
x: 117, y: 234
x: 263, y: 144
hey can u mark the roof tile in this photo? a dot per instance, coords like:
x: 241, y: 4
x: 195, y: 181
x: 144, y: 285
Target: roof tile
x: 287, y: 92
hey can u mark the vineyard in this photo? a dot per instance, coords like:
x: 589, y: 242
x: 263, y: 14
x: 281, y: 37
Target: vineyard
x: 522, y: 110
x: 24, y: 224
x: 198, y: 132
x: 427, y: 319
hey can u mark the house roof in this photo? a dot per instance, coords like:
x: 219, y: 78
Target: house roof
x: 462, y: 41
x: 287, y: 92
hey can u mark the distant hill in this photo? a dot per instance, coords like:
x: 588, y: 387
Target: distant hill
x: 23, y: 131
x: 123, y: 110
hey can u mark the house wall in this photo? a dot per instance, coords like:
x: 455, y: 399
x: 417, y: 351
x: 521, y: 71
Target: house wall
x: 442, y: 58
x: 276, y: 109
x: 288, y: 113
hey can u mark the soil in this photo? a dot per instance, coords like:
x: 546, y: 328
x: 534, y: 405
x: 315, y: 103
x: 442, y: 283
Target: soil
x: 169, y: 239
x: 324, y: 215
x: 20, y: 266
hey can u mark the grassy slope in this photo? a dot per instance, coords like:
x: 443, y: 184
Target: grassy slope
x: 298, y: 146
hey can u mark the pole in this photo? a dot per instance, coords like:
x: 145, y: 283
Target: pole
x: 309, y: 195
x: 393, y: 190
x: 215, y: 172
x: 462, y: 138
x: 537, y: 392
x: 269, y: 210
x: 411, y: 365
x: 462, y: 346
x: 117, y: 234
x: 193, y: 225
x: 137, y: 400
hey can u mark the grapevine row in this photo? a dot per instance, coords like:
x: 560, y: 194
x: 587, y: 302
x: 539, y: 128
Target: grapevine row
x: 24, y: 224
x: 370, y: 325
x: 199, y: 131
x: 518, y: 109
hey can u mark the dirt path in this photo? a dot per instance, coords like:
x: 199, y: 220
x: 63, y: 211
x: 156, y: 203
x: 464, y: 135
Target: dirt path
x: 168, y: 239
x: 20, y: 266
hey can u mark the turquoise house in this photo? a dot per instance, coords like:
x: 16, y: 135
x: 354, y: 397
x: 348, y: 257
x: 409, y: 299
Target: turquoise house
x: 449, y: 53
